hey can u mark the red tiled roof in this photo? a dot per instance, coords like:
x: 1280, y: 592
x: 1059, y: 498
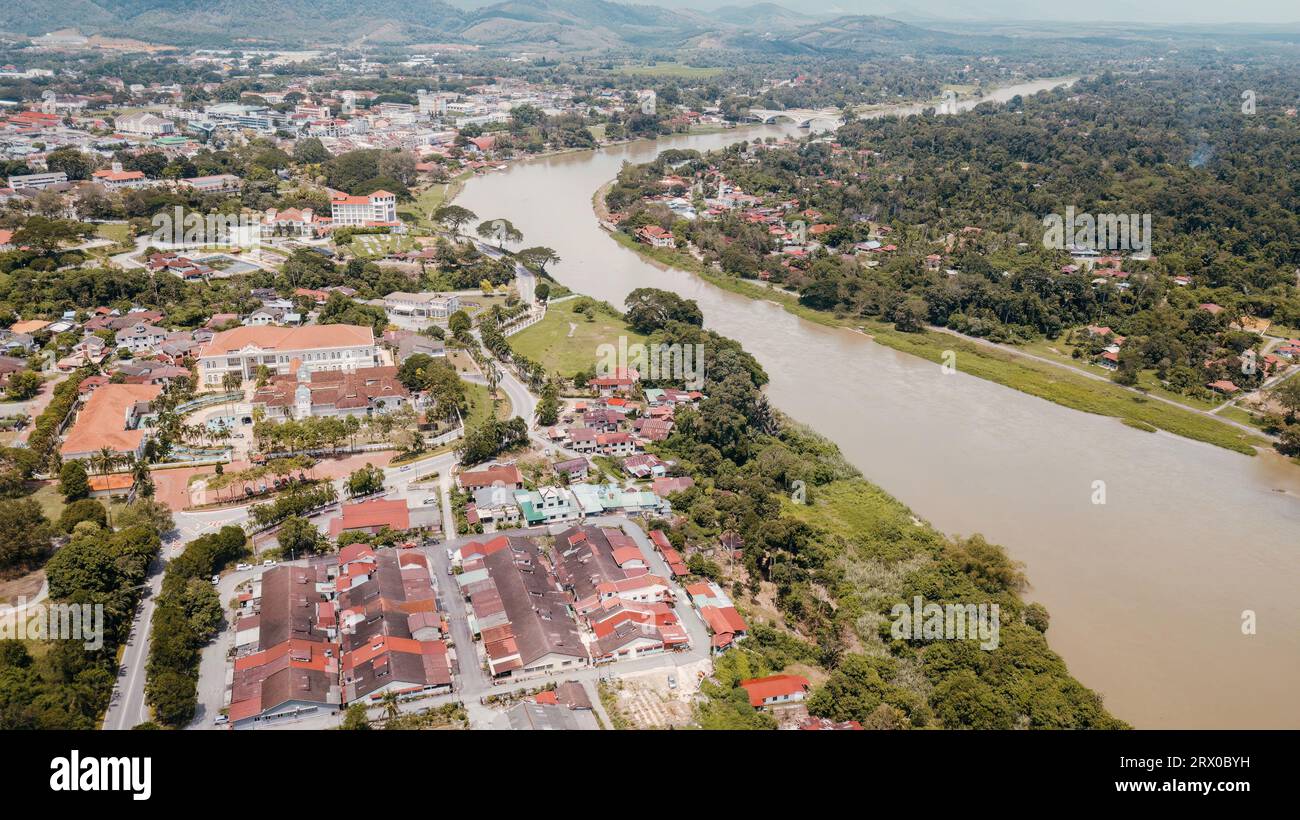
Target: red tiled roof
x: 760, y: 689
x: 378, y: 513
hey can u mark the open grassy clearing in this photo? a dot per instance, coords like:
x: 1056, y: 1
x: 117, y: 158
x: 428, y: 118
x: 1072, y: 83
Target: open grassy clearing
x: 567, y: 341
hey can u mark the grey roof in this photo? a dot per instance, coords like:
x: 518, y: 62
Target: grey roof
x: 542, y: 716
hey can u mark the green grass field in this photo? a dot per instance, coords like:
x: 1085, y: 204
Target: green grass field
x: 672, y: 70
x: 116, y: 232
x: 480, y: 405
x: 549, y: 342
x: 420, y: 209
x: 51, y: 501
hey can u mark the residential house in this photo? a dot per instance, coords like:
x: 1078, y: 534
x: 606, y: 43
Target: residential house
x: 718, y: 612
x: 656, y: 236
x: 494, y: 476
x: 496, y: 504
x: 664, y: 487
x: 645, y: 465
x: 141, y: 338
x: 546, y: 505
x: 775, y: 690
x: 574, y: 468
x: 372, y: 517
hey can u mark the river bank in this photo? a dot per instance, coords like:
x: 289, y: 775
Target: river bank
x: 1045, y: 381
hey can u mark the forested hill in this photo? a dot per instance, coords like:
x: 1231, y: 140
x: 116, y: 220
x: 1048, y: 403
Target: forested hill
x: 569, y: 24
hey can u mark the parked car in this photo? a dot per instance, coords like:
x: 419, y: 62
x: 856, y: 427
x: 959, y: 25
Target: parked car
x: 268, y: 563
x: 220, y: 719
x: 243, y: 567
x: 216, y: 579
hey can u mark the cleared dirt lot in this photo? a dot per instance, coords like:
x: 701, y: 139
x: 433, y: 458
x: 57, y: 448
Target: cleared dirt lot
x: 647, y: 701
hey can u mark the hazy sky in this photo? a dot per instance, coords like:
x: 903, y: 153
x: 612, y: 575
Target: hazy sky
x: 1082, y: 11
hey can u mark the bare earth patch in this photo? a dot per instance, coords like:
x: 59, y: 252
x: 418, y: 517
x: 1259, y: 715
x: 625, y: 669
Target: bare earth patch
x: 647, y: 700
x: 24, y: 586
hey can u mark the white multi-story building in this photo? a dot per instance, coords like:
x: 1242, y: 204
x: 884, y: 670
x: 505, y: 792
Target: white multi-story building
x: 142, y: 122
x: 214, y: 184
x: 116, y: 179
x: 286, y: 349
x: 379, y: 208
x: 20, y: 181
x: 432, y: 105
x: 422, y: 305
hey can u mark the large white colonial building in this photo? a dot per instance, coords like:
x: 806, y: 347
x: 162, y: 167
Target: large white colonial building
x: 314, y: 347
x: 379, y: 208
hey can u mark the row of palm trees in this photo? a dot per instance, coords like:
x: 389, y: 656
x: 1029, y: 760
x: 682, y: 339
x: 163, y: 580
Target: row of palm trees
x: 317, y: 433
x: 276, y: 468
x: 108, y: 461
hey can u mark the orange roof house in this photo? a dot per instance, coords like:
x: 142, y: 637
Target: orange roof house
x: 28, y: 326
x: 109, y: 419
x: 775, y: 690
x: 373, y: 516
x: 501, y: 475
x: 111, y: 484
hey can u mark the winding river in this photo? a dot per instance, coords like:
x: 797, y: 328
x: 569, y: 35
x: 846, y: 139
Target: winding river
x: 1147, y: 591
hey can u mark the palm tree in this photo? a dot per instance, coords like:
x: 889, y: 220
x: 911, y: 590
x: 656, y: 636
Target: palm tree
x: 390, y: 704
x: 141, y: 479
x: 231, y: 382
x: 105, y: 460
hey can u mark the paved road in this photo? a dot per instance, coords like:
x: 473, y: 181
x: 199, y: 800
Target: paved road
x: 127, y: 706
x: 525, y: 280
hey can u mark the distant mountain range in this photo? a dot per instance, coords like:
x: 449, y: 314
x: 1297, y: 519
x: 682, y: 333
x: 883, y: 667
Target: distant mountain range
x: 815, y: 25
x: 535, y: 24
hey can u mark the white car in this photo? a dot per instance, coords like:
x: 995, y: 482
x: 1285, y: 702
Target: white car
x: 268, y: 563
x: 220, y: 719
x: 216, y: 579
x: 243, y: 567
